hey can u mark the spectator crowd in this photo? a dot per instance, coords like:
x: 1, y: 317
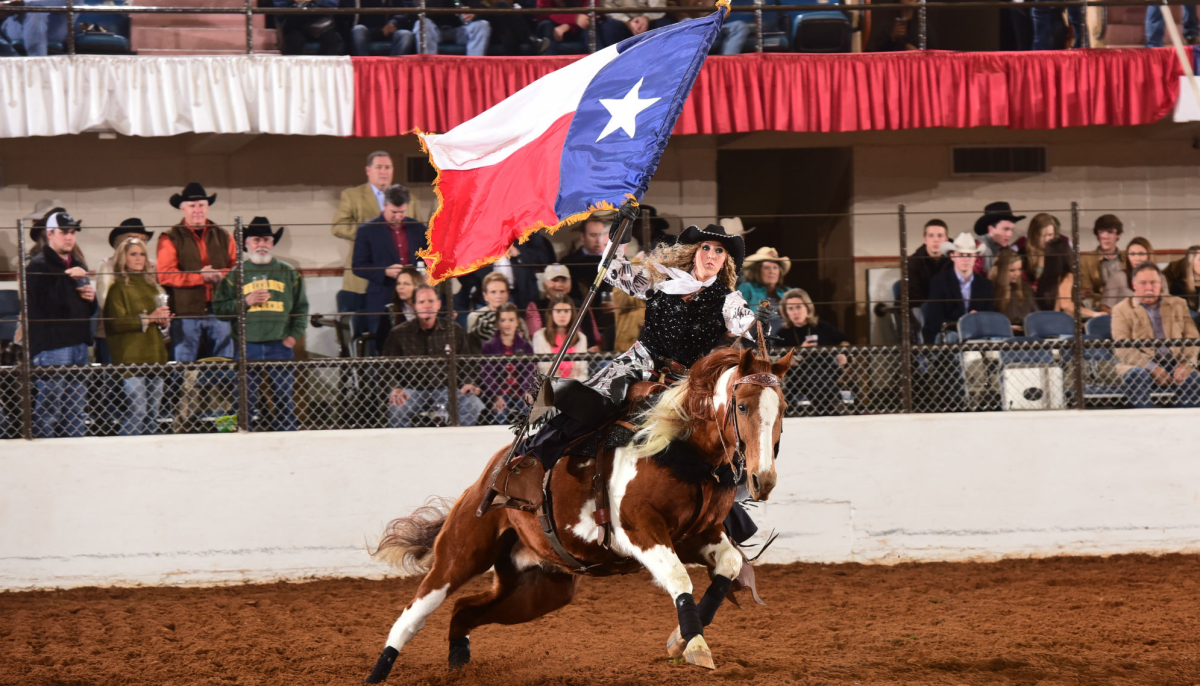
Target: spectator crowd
x: 177, y: 297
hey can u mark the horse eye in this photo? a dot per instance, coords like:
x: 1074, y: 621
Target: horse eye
x: 777, y: 449
x: 742, y: 408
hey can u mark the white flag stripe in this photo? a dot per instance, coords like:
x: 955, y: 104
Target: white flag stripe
x: 519, y: 119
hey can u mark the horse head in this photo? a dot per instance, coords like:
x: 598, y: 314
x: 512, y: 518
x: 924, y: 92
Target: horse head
x: 748, y: 400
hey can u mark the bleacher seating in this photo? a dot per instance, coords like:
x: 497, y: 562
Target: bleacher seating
x: 10, y: 310
x: 103, y: 33
x: 1046, y: 324
x: 819, y: 30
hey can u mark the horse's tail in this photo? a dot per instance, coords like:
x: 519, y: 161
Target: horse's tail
x: 407, y: 542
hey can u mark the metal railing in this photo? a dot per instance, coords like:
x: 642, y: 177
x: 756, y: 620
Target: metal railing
x: 594, y: 11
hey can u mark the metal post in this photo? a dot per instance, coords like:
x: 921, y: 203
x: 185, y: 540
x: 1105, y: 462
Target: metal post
x: 923, y: 33
x: 70, y: 27
x: 1078, y: 301
x: 594, y: 29
x: 249, y: 27
x: 452, y: 386
x: 421, y: 29
x: 26, y: 357
x: 243, y: 375
x: 1085, y: 41
x: 758, y: 26
x: 905, y: 315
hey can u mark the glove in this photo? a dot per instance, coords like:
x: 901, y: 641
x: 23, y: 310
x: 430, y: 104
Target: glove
x: 628, y: 211
x: 764, y: 313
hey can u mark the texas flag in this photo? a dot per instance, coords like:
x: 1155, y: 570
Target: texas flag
x: 580, y: 139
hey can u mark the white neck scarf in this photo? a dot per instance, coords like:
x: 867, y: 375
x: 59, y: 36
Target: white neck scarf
x: 680, y: 282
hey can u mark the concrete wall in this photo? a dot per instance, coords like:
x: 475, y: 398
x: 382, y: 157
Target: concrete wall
x: 230, y: 508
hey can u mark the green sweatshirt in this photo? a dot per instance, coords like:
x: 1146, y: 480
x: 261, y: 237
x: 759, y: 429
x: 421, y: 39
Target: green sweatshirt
x: 130, y: 341
x: 285, y: 314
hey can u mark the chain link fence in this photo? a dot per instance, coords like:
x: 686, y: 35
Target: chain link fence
x: 400, y: 392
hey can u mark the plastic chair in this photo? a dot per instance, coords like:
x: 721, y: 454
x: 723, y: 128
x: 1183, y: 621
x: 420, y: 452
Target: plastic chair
x: 977, y: 326
x: 1048, y: 324
x: 819, y: 30
x: 10, y: 314
x: 1099, y: 327
x: 114, y: 40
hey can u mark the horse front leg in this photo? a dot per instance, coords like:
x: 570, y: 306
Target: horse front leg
x: 725, y: 561
x: 651, y: 546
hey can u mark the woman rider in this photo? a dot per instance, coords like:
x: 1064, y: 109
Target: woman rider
x: 691, y: 301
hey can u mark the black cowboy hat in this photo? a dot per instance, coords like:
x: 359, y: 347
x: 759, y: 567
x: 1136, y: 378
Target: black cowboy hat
x: 995, y: 212
x: 131, y: 225
x: 261, y: 226
x: 37, y: 232
x: 734, y: 244
x: 192, y: 191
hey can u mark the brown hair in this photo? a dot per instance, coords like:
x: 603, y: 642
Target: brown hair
x: 550, y: 330
x: 1189, y: 274
x: 123, y: 256
x: 1144, y: 243
x: 509, y: 307
x: 803, y: 296
x: 1108, y: 222
x: 397, y: 303
x: 683, y: 257
x: 1058, y: 267
x: 494, y: 277
x: 1005, y: 289
x: 753, y: 272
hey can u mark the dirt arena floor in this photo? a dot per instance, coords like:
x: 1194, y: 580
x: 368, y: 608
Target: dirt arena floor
x: 1119, y: 620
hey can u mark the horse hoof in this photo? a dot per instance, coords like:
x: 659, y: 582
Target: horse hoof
x: 383, y: 666
x: 697, y: 653
x: 675, y: 645
x: 460, y: 652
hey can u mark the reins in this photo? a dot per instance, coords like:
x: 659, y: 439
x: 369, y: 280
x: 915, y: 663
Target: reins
x: 737, y: 461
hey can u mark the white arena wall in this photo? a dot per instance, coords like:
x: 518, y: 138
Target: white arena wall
x: 230, y: 508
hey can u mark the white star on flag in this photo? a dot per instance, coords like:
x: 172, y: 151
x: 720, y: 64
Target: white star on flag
x: 625, y: 111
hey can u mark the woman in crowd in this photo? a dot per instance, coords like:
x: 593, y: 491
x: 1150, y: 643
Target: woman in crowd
x: 764, y: 274
x: 1055, y: 284
x: 1185, y: 285
x: 1014, y: 296
x: 506, y: 383
x: 817, y: 379
x: 402, y: 304
x: 551, y: 339
x: 1118, y: 286
x: 134, y: 336
x: 1043, y: 228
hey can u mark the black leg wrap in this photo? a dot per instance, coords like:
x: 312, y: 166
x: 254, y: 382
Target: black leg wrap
x: 384, y: 666
x: 460, y: 652
x: 689, y: 618
x: 711, y: 601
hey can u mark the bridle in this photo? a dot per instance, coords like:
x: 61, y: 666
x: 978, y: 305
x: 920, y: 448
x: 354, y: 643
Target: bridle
x: 738, y: 459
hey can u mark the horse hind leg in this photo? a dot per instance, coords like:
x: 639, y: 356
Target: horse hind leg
x: 521, y: 592
x: 465, y: 548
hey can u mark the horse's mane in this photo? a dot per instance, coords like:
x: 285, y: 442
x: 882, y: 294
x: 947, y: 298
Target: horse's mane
x: 673, y: 417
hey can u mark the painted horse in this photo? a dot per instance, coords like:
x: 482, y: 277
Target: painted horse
x: 668, y: 492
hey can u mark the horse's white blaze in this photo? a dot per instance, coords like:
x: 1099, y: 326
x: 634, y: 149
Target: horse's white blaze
x: 668, y: 572
x: 721, y: 392
x: 768, y: 413
x: 726, y: 559
x: 586, y: 528
x: 413, y: 618
x: 625, y: 465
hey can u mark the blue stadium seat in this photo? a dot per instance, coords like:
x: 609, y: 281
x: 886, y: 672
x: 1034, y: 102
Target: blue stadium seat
x: 983, y: 326
x: 819, y: 30
x: 1099, y: 327
x: 1046, y: 324
x: 113, y: 36
x: 10, y: 314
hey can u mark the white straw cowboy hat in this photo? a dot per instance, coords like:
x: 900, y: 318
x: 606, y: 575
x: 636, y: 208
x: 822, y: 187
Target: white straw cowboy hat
x: 963, y: 244
x: 733, y: 226
x: 771, y: 255
x: 42, y: 207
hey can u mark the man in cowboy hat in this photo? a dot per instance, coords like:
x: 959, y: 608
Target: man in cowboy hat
x: 276, y: 315
x: 996, y: 228
x: 193, y: 257
x: 104, y: 276
x: 958, y: 291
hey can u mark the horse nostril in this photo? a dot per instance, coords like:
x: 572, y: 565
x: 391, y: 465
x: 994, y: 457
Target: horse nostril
x: 754, y: 478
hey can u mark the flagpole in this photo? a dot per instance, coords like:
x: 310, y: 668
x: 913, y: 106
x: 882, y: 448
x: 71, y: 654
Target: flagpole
x: 623, y: 223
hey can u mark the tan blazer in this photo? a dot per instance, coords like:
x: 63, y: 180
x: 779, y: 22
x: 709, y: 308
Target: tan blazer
x: 1091, y: 277
x: 1130, y: 323
x: 358, y: 206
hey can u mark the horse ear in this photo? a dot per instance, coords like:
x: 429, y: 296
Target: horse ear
x: 781, y: 367
x: 746, y: 364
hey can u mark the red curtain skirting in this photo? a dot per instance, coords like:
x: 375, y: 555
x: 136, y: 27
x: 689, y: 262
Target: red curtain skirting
x: 811, y: 93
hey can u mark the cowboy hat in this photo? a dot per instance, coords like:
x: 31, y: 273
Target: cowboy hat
x: 771, y: 255
x: 191, y: 192
x: 734, y: 244
x: 733, y: 226
x: 42, y: 207
x: 131, y: 225
x: 964, y: 244
x: 993, y: 213
x: 261, y: 226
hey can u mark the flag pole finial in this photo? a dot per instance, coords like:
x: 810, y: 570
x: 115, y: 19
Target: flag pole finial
x: 725, y: 4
